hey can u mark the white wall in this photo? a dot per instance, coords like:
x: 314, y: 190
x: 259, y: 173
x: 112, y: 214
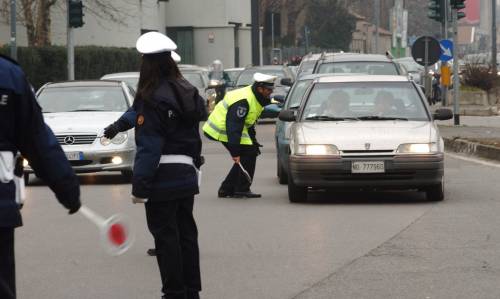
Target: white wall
x: 238, y: 11
x: 245, y: 35
x: 195, y: 13
x: 222, y: 48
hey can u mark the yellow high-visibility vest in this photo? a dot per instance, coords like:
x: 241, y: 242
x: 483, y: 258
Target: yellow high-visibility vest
x: 215, y: 126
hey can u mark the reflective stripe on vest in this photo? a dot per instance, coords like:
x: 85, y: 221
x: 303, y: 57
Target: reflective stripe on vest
x: 215, y: 126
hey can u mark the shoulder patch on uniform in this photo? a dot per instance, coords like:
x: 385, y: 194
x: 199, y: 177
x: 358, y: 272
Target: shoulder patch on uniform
x: 241, y: 112
x: 140, y: 119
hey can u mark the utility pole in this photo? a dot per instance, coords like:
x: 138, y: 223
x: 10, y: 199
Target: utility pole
x: 272, y: 30
x: 446, y: 10
x: 377, y: 24
x: 13, y: 30
x: 456, y: 80
x: 494, y: 36
x: 255, y: 32
x: 70, y: 46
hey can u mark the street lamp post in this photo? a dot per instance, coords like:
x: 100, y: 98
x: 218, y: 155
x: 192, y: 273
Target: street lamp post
x: 13, y: 31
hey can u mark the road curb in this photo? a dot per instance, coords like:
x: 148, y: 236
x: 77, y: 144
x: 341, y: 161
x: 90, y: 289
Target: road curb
x: 475, y: 149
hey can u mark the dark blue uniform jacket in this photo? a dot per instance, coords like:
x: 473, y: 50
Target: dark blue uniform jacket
x: 161, y: 130
x: 23, y: 129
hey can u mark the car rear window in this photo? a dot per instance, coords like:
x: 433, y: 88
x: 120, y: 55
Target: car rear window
x: 82, y: 98
x: 365, y: 100
x: 359, y: 67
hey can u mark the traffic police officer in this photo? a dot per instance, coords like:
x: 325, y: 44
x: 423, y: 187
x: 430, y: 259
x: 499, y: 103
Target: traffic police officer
x: 22, y: 129
x: 166, y: 165
x: 233, y: 123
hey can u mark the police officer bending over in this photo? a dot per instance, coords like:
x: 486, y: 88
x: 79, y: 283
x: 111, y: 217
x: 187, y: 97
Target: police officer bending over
x: 166, y: 165
x: 233, y: 123
x: 22, y: 129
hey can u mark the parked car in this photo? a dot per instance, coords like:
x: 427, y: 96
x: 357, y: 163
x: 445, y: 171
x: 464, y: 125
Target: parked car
x: 233, y: 74
x: 414, y: 70
x: 307, y: 64
x: 197, y: 76
x: 77, y: 112
x: 365, y: 132
x: 370, y: 64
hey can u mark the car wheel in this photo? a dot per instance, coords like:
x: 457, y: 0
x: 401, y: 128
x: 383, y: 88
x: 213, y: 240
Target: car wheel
x: 296, y: 193
x: 435, y: 193
x: 26, y: 179
x: 127, y: 174
x: 282, y: 175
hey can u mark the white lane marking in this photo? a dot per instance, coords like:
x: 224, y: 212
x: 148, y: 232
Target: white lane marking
x: 473, y: 160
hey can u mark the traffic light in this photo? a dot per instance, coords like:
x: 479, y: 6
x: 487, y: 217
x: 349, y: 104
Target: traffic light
x: 75, y: 13
x: 458, y: 5
x: 436, y: 10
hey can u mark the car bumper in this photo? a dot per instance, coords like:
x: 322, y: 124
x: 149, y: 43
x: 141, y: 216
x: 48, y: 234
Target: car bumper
x: 95, y: 161
x: 401, y: 172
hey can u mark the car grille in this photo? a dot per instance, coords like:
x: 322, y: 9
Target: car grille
x: 75, y: 139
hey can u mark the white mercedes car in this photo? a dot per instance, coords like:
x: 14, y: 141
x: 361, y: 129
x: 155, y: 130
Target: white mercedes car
x: 77, y: 112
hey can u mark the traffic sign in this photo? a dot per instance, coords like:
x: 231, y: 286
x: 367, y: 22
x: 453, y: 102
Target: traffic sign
x: 446, y: 50
x: 426, y: 50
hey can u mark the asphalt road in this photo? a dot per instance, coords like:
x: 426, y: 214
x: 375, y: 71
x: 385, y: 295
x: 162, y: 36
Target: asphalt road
x: 258, y: 248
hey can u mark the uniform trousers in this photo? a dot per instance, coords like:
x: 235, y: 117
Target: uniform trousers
x: 7, y: 264
x: 173, y: 227
x: 235, y: 180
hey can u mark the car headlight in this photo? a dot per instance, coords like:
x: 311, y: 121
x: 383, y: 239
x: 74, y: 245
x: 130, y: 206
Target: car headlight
x: 418, y: 148
x: 317, y: 150
x: 118, y: 139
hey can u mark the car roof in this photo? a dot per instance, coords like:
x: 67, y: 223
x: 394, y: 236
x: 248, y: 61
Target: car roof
x: 234, y: 69
x: 342, y: 78
x: 311, y: 57
x: 84, y: 83
x: 331, y: 57
x: 121, y: 75
x: 319, y: 75
x: 266, y: 67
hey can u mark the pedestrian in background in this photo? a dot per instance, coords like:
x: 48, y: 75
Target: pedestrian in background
x: 167, y: 162
x: 233, y: 124
x: 22, y: 129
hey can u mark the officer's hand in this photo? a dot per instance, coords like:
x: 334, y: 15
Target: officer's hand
x: 111, y: 131
x: 73, y: 207
x: 236, y: 160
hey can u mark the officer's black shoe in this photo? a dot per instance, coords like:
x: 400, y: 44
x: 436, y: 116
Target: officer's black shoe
x: 225, y: 194
x: 151, y: 252
x: 247, y: 194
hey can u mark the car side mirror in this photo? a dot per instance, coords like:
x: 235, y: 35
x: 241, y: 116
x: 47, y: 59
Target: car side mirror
x: 279, y: 98
x: 286, y: 81
x: 443, y: 114
x: 287, y: 115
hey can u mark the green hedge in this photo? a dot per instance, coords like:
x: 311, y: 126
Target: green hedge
x: 49, y: 64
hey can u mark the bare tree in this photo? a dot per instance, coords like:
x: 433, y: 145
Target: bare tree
x: 35, y: 15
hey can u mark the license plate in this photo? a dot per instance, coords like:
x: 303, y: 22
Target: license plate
x: 368, y: 167
x: 73, y: 156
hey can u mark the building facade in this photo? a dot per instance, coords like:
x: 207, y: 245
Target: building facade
x: 204, y: 30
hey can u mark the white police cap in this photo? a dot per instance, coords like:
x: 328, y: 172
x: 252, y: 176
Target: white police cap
x: 263, y: 79
x: 154, y: 42
x: 176, y: 57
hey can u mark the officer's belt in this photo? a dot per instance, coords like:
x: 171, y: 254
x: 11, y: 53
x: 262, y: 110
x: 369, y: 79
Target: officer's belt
x: 181, y: 159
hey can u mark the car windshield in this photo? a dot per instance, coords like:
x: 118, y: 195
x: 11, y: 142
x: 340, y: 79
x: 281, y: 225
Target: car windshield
x: 296, y: 94
x: 411, y: 66
x: 246, y: 77
x: 365, y: 101
x: 306, y: 68
x: 194, y: 78
x: 82, y: 98
x: 359, y: 67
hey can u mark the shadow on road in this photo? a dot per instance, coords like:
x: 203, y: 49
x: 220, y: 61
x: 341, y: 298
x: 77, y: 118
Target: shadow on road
x: 90, y: 179
x: 365, y: 197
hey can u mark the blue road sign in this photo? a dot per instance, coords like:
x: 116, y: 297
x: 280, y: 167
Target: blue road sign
x: 446, y: 50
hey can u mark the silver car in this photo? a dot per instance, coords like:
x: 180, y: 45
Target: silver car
x: 77, y: 112
x: 365, y: 132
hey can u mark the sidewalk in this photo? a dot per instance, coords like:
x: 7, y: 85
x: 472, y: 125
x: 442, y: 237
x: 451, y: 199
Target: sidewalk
x: 476, y: 136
